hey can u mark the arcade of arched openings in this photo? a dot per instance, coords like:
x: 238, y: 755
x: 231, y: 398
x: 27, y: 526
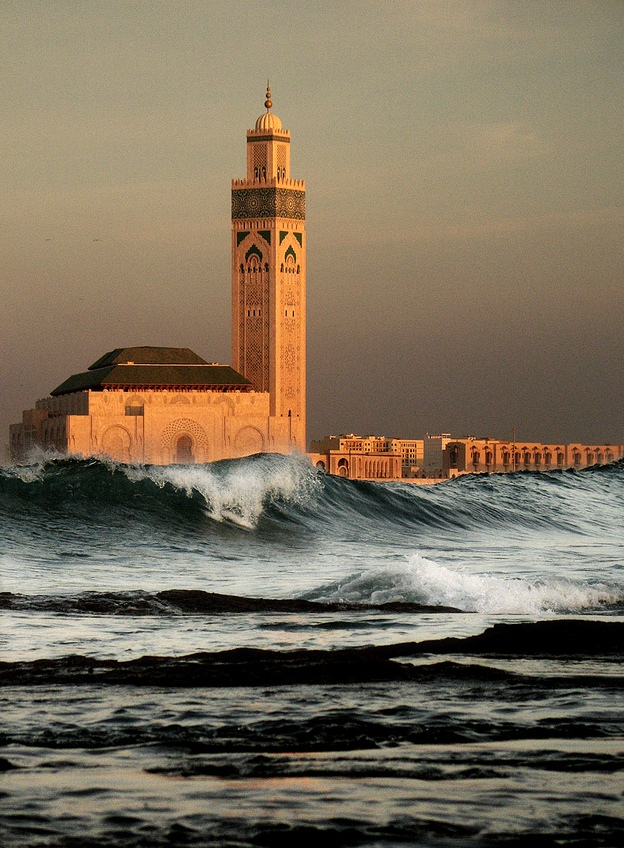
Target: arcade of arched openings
x: 479, y: 456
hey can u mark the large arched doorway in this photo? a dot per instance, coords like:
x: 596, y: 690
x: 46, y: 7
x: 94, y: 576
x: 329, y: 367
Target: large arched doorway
x: 200, y: 449
x: 116, y: 443
x: 248, y: 440
x: 184, y: 449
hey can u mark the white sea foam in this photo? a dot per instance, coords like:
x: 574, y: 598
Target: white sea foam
x: 237, y: 492
x: 34, y: 466
x: 423, y: 581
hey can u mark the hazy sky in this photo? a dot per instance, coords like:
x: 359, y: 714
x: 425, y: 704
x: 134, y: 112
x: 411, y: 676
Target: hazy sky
x: 464, y: 164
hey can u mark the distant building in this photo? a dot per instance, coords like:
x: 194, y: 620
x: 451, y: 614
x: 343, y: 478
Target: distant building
x: 478, y: 456
x: 412, y: 455
x: 367, y: 457
x: 433, y: 452
x: 439, y: 457
x: 162, y: 405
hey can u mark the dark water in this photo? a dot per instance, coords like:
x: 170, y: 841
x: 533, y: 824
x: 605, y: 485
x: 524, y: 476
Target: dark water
x: 248, y: 653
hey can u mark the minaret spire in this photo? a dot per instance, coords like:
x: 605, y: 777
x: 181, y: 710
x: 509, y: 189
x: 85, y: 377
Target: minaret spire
x: 269, y: 276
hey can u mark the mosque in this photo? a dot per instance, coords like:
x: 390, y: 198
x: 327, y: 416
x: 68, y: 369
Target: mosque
x: 163, y: 405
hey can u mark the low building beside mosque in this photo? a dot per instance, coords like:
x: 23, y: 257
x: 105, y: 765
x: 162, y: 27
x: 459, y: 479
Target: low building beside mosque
x: 367, y: 457
x: 488, y: 456
x: 438, y: 457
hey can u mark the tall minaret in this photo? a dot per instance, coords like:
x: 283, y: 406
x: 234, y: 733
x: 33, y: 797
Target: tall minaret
x: 269, y: 274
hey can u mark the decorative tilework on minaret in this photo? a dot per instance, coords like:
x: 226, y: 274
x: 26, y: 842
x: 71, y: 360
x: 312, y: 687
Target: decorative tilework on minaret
x: 269, y: 274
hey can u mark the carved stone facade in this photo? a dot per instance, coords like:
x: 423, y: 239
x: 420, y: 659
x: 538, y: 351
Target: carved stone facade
x: 131, y: 409
x: 268, y: 203
x: 269, y: 274
x: 208, y: 426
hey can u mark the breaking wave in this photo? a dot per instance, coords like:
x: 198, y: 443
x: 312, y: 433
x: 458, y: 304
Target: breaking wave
x: 425, y: 582
x: 234, y: 491
x: 418, y: 585
x: 273, y: 489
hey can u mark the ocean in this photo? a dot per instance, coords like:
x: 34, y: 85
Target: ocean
x: 252, y: 653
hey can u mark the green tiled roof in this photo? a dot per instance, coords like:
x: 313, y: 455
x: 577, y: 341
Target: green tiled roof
x: 149, y: 356
x: 142, y: 368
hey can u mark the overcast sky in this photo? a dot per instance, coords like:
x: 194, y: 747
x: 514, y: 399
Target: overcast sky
x: 464, y: 164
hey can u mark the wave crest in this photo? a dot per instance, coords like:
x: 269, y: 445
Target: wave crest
x: 423, y: 581
x: 237, y: 491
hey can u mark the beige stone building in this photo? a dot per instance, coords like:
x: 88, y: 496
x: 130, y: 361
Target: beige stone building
x: 433, y: 453
x: 367, y: 457
x: 163, y: 405
x: 153, y: 405
x: 439, y: 457
x: 478, y: 456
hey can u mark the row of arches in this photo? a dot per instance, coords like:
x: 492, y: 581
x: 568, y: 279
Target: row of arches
x: 289, y: 269
x: 367, y: 469
x: 506, y: 458
x: 254, y: 267
x: 182, y: 442
x: 526, y: 458
x: 260, y: 173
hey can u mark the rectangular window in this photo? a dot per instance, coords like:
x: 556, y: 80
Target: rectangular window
x: 134, y: 410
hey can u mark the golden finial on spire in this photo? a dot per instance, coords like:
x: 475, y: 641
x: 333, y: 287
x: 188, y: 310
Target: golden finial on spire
x: 267, y: 102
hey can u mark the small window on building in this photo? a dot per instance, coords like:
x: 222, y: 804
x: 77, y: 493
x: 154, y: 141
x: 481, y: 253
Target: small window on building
x: 134, y: 409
